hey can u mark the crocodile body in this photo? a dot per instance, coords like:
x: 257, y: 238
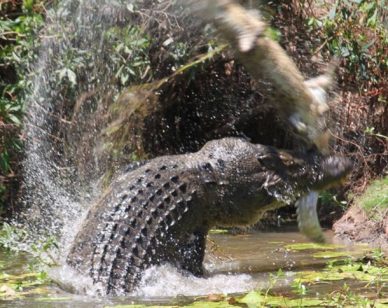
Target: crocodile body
x: 162, y: 210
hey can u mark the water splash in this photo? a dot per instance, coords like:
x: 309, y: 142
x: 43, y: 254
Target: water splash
x: 74, y: 81
x: 167, y: 281
x: 71, y: 87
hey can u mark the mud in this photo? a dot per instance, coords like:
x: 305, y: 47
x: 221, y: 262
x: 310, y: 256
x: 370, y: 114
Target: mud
x: 356, y: 226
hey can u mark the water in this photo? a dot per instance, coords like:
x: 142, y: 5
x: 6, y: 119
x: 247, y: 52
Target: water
x: 235, y: 263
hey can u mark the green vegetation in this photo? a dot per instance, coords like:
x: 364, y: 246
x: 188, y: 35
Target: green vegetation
x: 354, y: 31
x: 18, y: 34
x: 131, y: 54
x: 19, y: 286
x: 375, y: 199
x: 311, y: 246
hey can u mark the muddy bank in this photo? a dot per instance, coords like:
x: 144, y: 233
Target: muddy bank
x: 356, y: 226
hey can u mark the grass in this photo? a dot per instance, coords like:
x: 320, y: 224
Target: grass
x: 374, y: 201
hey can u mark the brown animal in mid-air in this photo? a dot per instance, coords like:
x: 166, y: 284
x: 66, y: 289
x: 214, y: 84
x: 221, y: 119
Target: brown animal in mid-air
x: 301, y: 102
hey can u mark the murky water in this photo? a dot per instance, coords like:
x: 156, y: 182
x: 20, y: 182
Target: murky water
x: 235, y: 264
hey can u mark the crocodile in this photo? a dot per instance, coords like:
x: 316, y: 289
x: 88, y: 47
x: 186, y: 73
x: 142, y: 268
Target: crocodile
x: 160, y: 211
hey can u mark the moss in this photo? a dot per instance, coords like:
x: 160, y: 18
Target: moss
x: 311, y: 246
x: 330, y: 254
x: 20, y: 286
x: 374, y: 201
x: 356, y: 271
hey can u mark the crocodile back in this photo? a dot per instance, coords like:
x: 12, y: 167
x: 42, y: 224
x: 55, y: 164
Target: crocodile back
x: 139, y: 222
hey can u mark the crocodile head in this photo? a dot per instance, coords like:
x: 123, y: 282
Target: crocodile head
x: 239, y: 161
x: 250, y: 179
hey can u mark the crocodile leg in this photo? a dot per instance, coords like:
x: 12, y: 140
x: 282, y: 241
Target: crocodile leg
x: 193, y: 253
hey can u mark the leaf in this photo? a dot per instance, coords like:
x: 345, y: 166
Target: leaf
x: 28, y: 4
x: 130, y: 7
x: 131, y: 71
x: 72, y: 77
x: 345, y: 52
x: 4, y: 162
x: 124, y: 78
x: 252, y: 299
x: 332, y: 12
x: 14, y: 119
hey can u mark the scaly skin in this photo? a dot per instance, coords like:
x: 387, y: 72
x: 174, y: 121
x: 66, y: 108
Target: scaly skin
x: 162, y: 210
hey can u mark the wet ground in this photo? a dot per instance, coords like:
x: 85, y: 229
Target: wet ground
x: 243, y: 270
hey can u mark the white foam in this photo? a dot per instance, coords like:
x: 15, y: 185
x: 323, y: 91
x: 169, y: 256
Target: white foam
x: 167, y: 281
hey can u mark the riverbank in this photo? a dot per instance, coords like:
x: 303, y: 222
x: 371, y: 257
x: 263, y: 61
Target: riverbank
x: 366, y: 220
